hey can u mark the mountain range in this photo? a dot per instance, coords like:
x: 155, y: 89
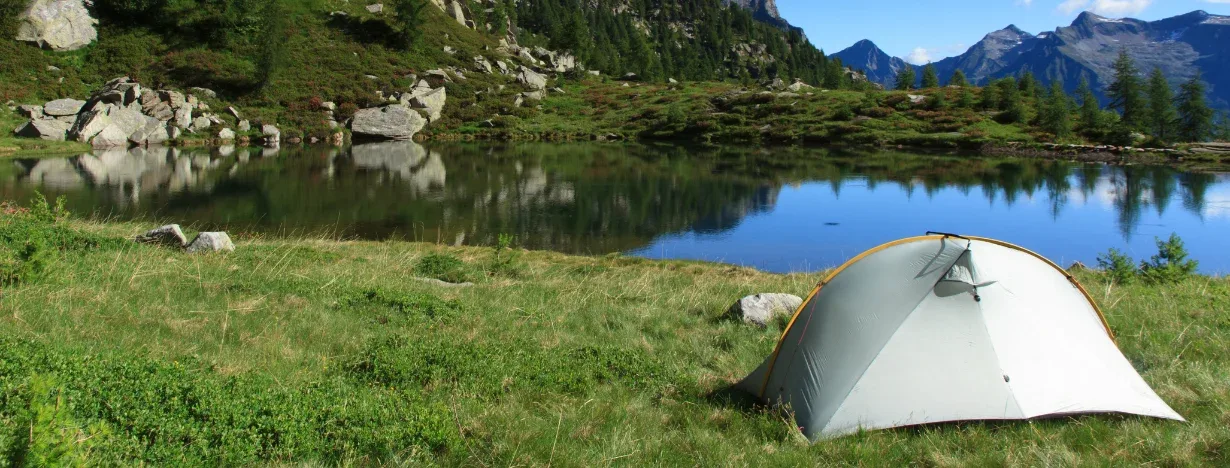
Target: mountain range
x: 1179, y: 46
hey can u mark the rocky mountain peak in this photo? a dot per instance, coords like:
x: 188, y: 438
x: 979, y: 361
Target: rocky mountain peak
x: 764, y: 8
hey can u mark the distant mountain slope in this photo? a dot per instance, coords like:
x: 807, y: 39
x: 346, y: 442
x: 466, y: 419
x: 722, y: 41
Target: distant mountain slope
x: 878, y: 65
x: 1087, y: 48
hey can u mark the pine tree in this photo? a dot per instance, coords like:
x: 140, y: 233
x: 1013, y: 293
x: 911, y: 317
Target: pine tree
x: 966, y: 100
x: 1161, y: 106
x: 1056, y: 112
x: 270, y: 60
x: 990, y: 98
x: 1091, y: 111
x: 958, y: 79
x: 930, y: 79
x: 906, y: 78
x: 1125, y: 92
x: 1195, y: 117
x: 408, y: 18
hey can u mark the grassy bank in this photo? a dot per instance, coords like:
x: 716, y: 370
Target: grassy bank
x: 330, y: 352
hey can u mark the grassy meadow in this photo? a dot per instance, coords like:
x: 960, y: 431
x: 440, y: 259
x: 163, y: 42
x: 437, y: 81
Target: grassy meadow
x: 328, y: 352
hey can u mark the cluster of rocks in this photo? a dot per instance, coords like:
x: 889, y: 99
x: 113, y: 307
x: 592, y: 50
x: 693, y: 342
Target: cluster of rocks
x: 122, y: 113
x: 798, y: 86
x: 172, y: 235
x: 1107, y: 149
x: 409, y: 114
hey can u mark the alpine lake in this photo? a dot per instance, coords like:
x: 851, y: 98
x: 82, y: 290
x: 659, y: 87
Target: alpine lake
x: 774, y: 209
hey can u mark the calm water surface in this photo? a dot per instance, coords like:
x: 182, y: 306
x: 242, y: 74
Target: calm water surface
x: 775, y: 209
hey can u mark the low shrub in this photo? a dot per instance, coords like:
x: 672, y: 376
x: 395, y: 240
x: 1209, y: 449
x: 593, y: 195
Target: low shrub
x: 1117, y: 266
x: 33, y: 238
x: 444, y: 267
x: 392, y: 306
x: 1170, y: 265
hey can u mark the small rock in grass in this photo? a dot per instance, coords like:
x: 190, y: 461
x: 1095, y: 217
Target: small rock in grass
x: 170, y: 235
x: 761, y: 309
x: 206, y: 242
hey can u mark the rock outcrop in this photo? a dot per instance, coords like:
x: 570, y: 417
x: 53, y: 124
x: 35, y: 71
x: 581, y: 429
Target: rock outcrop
x: 60, y: 25
x: 392, y: 122
x: 207, y: 242
x: 170, y: 235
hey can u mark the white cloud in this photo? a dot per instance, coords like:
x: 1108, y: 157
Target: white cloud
x: 1112, y: 8
x: 1031, y: 2
x: 919, y: 56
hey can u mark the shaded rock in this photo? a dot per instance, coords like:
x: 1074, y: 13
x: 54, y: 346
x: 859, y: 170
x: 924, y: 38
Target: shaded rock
x: 30, y: 112
x: 209, y: 93
x: 482, y: 65
x: 57, y: 24
x: 761, y: 309
x: 393, y: 122
x: 207, y: 242
x: 183, y: 116
x: 245, y: 126
x: 53, y: 130
x: 234, y: 112
x: 170, y: 235
x: 173, y: 98
x: 62, y: 107
x: 375, y: 8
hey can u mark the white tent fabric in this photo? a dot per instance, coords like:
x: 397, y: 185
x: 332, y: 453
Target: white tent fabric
x: 941, y: 328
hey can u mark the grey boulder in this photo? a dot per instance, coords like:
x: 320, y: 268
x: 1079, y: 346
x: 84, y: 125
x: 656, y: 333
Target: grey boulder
x: 170, y: 235
x: 63, y: 107
x: 53, y: 130
x: 432, y: 101
x: 57, y: 24
x: 532, y: 78
x: 393, y: 122
x: 761, y: 309
x: 207, y: 242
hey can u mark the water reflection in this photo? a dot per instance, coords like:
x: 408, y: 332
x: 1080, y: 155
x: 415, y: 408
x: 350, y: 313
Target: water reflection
x: 777, y: 209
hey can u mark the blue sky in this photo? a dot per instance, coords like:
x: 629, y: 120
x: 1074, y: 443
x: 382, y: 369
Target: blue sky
x: 918, y: 30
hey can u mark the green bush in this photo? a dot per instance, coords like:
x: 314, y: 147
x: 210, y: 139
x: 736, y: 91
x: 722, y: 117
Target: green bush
x: 1170, y: 265
x: 186, y: 414
x: 392, y: 306
x: 31, y: 239
x: 40, y: 430
x: 444, y: 267
x: 505, y: 260
x: 1117, y: 266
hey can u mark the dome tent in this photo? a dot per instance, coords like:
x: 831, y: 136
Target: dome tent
x: 946, y: 328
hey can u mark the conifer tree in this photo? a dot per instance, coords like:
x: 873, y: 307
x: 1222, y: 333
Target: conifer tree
x: 1125, y: 92
x: 958, y: 79
x: 1056, y: 112
x: 270, y: 60
x: 408, y: 18
x: 1091, y: 111
x: 1161, y: 106
x: 966, y: 101
x: 990, y: 98
x: 929, y: 78
x: 906, y: 78
x: 1195, y: 116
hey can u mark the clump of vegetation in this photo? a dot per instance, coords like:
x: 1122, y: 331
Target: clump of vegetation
x: 1170, y: 265
x: 399, y: 306
x: 40, y: 429
x: 505, y: 260
x: 32, y: 238
x: 444, y: 267
x: 1118, y: 266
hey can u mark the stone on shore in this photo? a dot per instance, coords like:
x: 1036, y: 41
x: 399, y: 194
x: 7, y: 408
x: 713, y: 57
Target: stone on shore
x: 207, y: 242
x: 170, y: 235
x: 393, y: 122
x: 761, y: 309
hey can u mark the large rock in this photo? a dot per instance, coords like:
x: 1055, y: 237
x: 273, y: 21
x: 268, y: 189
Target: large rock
x: 532, y: 78
x: 31, y: 112
x: 183, y: 116
x: 394, y: 122
x: 48, y: 129
x: 57, y: 24
x: 207, y: 242
x: 226, y: 134
x: 457, y: 10
x: 88, y: 125
x: 432, y: 101
x: 272, y: 135
x: 170, y: 235
x: 111, y: 137
x: 761, y: 309
x: 63, y: 107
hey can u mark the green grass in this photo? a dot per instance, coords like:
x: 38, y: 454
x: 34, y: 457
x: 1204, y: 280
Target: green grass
x: 328, y: 352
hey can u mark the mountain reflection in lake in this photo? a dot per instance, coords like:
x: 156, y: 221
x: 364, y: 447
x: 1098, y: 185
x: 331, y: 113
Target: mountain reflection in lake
x: 774, y: 209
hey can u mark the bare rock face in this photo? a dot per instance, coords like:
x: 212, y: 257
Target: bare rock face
x: 60, y: 25
x: 432, y: 101
x: 63, y: 107
x: 394, y: 122
x: 532, y: 78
